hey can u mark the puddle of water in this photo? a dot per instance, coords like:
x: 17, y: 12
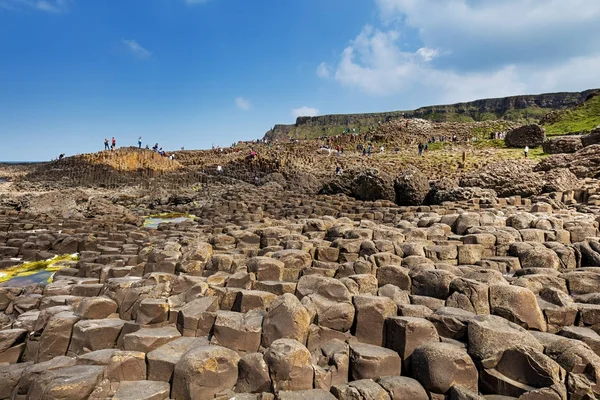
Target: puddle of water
x: 35, y: 272
x: 153, y: 221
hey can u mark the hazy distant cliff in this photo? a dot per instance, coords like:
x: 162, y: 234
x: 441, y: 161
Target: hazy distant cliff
x: 514, y: 108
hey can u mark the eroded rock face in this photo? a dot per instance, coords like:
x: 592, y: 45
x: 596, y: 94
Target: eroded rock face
x: 561, y: 145
x: 508, y: 178
x: 527, y: 135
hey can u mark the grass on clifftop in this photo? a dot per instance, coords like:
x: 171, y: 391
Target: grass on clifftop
x: 584, y: 117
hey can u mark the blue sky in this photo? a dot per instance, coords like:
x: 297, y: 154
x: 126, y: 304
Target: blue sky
x: 192, y: 73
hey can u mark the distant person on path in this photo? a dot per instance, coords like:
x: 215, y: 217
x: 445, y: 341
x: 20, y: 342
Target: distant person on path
x: 381, y: 149
x: 526, y: 151
x: 140, y: 142
x: 106, y: 144
x: 338, y: 170
x: 219, y: 170
x: 420, y: 147
x: 114, y: 143
x: 256, y: 180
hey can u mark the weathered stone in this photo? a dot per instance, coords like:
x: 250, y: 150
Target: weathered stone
x: 205, y: 372
x: 148, y: 339
x: 286, y: 318
x: 361, y: 389
x: 371, y: 313
x: 439, y: 366
x: 289, y: 365
x: 237, y: 331
x: 161, y: 362
x: 518, y: 305
x: 371, y: 362
x: 253, y: 374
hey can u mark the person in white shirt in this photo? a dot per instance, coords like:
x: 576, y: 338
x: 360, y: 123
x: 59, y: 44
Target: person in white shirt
x: 526, y: 151
x: 219, y: 170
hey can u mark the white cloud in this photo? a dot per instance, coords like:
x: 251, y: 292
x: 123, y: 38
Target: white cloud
x: 242, y: 103
x: 136, y: 49
x: 305, y: 112
x: 474, y: 48
x: 323, y: 70
x: 50, y: 6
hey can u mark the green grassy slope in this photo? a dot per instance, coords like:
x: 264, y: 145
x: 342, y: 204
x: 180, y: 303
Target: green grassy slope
x: 584, y: 117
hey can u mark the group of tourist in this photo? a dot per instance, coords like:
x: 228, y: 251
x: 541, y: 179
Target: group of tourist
x: 113, y: 144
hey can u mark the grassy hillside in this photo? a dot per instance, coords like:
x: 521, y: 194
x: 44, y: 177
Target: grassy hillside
x: 521, y: 109
x: 584, y: 117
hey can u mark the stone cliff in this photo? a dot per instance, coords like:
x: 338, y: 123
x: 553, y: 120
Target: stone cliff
x: 515, y: 108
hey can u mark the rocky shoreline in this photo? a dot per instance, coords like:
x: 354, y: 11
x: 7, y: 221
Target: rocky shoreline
x: 481, y: 284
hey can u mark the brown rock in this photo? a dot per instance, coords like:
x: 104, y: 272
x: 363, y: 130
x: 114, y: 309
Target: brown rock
x: 518, y: 305
x: 286, y: 318
x: 253, y: 374
x: 289, y: 365
x: 205, y: 372
x: 439, y: 366
x: 371, y: 314
x: 371, y: 362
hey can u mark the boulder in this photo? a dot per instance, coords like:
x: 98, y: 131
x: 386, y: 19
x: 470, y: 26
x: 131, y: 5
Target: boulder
x: 563, y: 144
x: 411, y: 188
x: 440, y: 366
x: 371, y: 313
x: 405, y: 334
x: 286, y: 318
x: 331, y: 362
x: 371, y: 362
x: 518, y: 305
x: 520, y: 369
x: 205, y: 372
x: 528, y: 135
x: 162, y: 361
x: 253, y: 374
x: 402, y: 387
x: 371, y: 185
x: 489, y: 335
x: 289, y: 365
x: 560, y: 180
x: 238, y: 331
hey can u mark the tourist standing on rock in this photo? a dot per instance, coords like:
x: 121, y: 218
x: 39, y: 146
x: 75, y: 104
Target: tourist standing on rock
x: 219, y: 170
x: 338, y: 170
x: 105, y: 144
x: 420, y: 148
x: 381, y: 149
x: 114, y: 143
x: 140, y: 142
x: 526, y: 151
